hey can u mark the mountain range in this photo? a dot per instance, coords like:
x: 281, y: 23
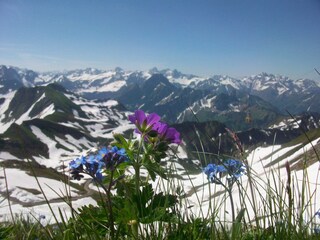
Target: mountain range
x: 48, y: 119
x: 89, y: 104
x: 182, y: 97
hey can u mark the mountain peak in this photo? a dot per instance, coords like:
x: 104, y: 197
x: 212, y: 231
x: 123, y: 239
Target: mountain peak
x: 153, y: 70
x: 158, y: 78
x: 118, y: 69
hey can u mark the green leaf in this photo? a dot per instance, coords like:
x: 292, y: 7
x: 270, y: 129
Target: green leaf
x: 154, y: 168
x: 121, y: 140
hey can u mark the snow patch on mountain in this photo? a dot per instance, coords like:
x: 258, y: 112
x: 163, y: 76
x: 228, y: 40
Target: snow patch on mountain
x: 7, y: 156
x: 25, y: 116
x: 54, y: 152
x: 3, y: 108
x: 165, y: 100
x: 107, y: 87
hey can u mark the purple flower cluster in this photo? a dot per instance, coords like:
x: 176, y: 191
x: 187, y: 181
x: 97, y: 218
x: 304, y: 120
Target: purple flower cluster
x: 234, y: 168
x: 95, y: 164
x: 151, y: 123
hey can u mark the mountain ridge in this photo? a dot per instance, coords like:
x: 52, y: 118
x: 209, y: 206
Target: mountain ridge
x: 178, y: 96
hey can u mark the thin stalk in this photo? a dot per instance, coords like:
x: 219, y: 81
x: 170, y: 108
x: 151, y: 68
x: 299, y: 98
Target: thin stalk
x: 306, y: 135
x: 290, y: 200
x: 232, y: 205
x: 229, y: 190
x: 8, y: 195
x: 45, y: 197
x: 137, y: 166
x: 252, y: 195
x: 111, y: 220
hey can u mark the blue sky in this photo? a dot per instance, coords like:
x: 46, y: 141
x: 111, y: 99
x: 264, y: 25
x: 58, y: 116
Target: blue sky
x: 203, y: 37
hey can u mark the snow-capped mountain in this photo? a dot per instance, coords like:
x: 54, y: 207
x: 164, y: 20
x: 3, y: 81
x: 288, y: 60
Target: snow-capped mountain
x: 34, y: 120
x: 177, y: 96
x: 46, y: 126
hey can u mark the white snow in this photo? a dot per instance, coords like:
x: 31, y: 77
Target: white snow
x: 110, y: 87
x: 54, y: 152
x: 165, y: 100
x: 43, y: 210
x: 25, y: 116
x: 19, y: 189
x: 91, y: 77
x: 3, y: 108
x: 7, y: 156
x: 196, y: 186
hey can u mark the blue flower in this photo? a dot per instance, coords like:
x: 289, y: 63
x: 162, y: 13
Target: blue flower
x: 212, y: 171
x: 77, y: 162
x: 316, y: 230
x: 101, y: 153
x: 115, y: 157
x: 95, y: 164
x: 234, y: 168
x: 317, y: 214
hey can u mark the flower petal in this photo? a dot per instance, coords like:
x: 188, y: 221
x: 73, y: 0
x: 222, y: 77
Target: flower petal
x: 152, y: 118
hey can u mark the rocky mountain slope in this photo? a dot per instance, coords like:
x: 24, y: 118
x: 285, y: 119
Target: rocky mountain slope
x: 47, y: 125
x: 41, y: 121
x: 177, y: 96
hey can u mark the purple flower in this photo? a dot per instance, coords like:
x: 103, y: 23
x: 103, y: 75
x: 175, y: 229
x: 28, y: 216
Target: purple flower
x: 167, y: 133
x: 143, y: 122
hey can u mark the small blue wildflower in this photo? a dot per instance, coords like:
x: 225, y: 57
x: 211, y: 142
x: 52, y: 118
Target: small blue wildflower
x: 77, y: 162
x: 115, y: 157
x: 316, y: 230
x: 317, y: 214
x: 101, y: 153
x: 76, y: 168
x: 95, y: 164
x: 234, y: 168
x: 212, y: 171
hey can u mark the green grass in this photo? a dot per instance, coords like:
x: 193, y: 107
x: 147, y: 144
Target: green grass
x: 22, y: 142
x: 274, y: 208
x: 208, y: 226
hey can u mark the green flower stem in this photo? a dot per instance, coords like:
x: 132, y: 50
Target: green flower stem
x: 229, y: 190
x: 135, y: 230
x: 232, y: 204
x: 137, y: 166
x: 137, y: 177
x: 111, y: 220
x: 109, y: 201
